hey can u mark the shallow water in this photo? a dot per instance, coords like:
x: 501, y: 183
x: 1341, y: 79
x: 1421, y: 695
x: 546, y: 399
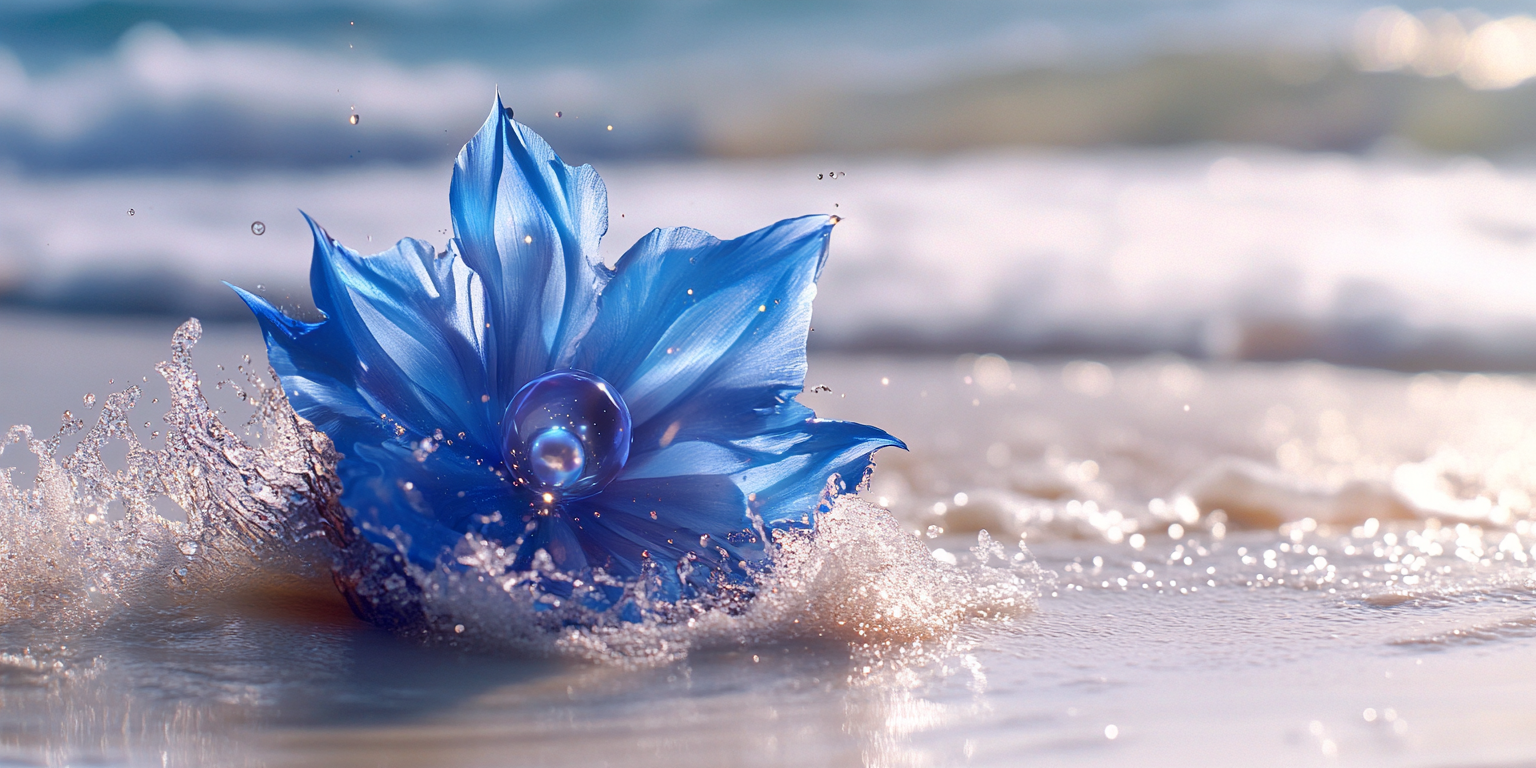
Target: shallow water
x: 1273, y: 564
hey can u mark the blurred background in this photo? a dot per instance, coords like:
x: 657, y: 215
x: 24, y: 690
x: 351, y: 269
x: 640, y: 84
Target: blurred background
x: 1227, y: 179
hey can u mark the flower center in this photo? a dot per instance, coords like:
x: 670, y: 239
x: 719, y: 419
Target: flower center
x: 566, y: 433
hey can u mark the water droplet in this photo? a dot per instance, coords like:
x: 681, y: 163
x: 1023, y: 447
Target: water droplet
x: 610, y: 127
x: 352, y: 119
x: 567, y: 433
x: 508, y: 110
x: 130, y: 211
x: 559, y: 114
x: 258, y: 228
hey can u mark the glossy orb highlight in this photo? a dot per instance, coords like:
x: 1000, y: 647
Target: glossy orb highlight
x: 566, y: 433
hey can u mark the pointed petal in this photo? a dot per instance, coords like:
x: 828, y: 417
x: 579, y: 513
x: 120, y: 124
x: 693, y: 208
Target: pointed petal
x: 688, y: 315
x: 783, y: 471
x: 706, y: 341
x: 312, y: 361
x: 790, y: 469
x: 404, y: 335
x: 529, y: 225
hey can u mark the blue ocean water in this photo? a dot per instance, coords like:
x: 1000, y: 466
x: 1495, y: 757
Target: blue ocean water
x: 1017, y: 176
x: 90, y: 86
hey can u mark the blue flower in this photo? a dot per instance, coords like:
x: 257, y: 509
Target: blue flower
x: 513, y: 387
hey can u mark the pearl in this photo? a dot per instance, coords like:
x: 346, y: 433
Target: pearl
x: 566, y: 434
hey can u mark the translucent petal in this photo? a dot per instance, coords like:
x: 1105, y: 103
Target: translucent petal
x: 422, y: 504
x: 687, y: 508
x: 616, y: 532
x: 403, y: 336
x: 320, y: 387
x: 790, y: 468
x: 783, y: 471
x: 686, y: 313
x: 529, y: 225
x: 706, y: 342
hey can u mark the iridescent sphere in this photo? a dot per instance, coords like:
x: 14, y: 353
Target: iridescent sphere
x: 566, y: 433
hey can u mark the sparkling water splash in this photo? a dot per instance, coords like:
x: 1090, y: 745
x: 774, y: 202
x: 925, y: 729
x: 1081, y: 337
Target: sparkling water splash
x: 859, y: 579
x: 88, y: 540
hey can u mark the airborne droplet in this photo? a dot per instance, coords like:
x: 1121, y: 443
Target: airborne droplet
x: 352, y: 119
x: 559, y: 114
x: 258, y: 228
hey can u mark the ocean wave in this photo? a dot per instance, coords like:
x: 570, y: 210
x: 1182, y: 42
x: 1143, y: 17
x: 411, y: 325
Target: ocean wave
x: 177, y: 94
x: 1227, y: 253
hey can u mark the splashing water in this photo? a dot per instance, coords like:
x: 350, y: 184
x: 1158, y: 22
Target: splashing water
x: 87, y: 541
x: 87, y: 538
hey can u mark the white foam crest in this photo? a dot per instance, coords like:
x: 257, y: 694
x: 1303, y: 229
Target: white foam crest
x: 1426, y: 269
x: 153, y: 65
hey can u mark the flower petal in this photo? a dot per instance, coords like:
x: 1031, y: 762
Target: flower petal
x: 403, y: 342
x: 706, y: 341
x: 686, y: 314
x: 529, y: 225
x: 700, y: 518
x: 782, y: 470
x: 422, y: 504
x: 790, y: 468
